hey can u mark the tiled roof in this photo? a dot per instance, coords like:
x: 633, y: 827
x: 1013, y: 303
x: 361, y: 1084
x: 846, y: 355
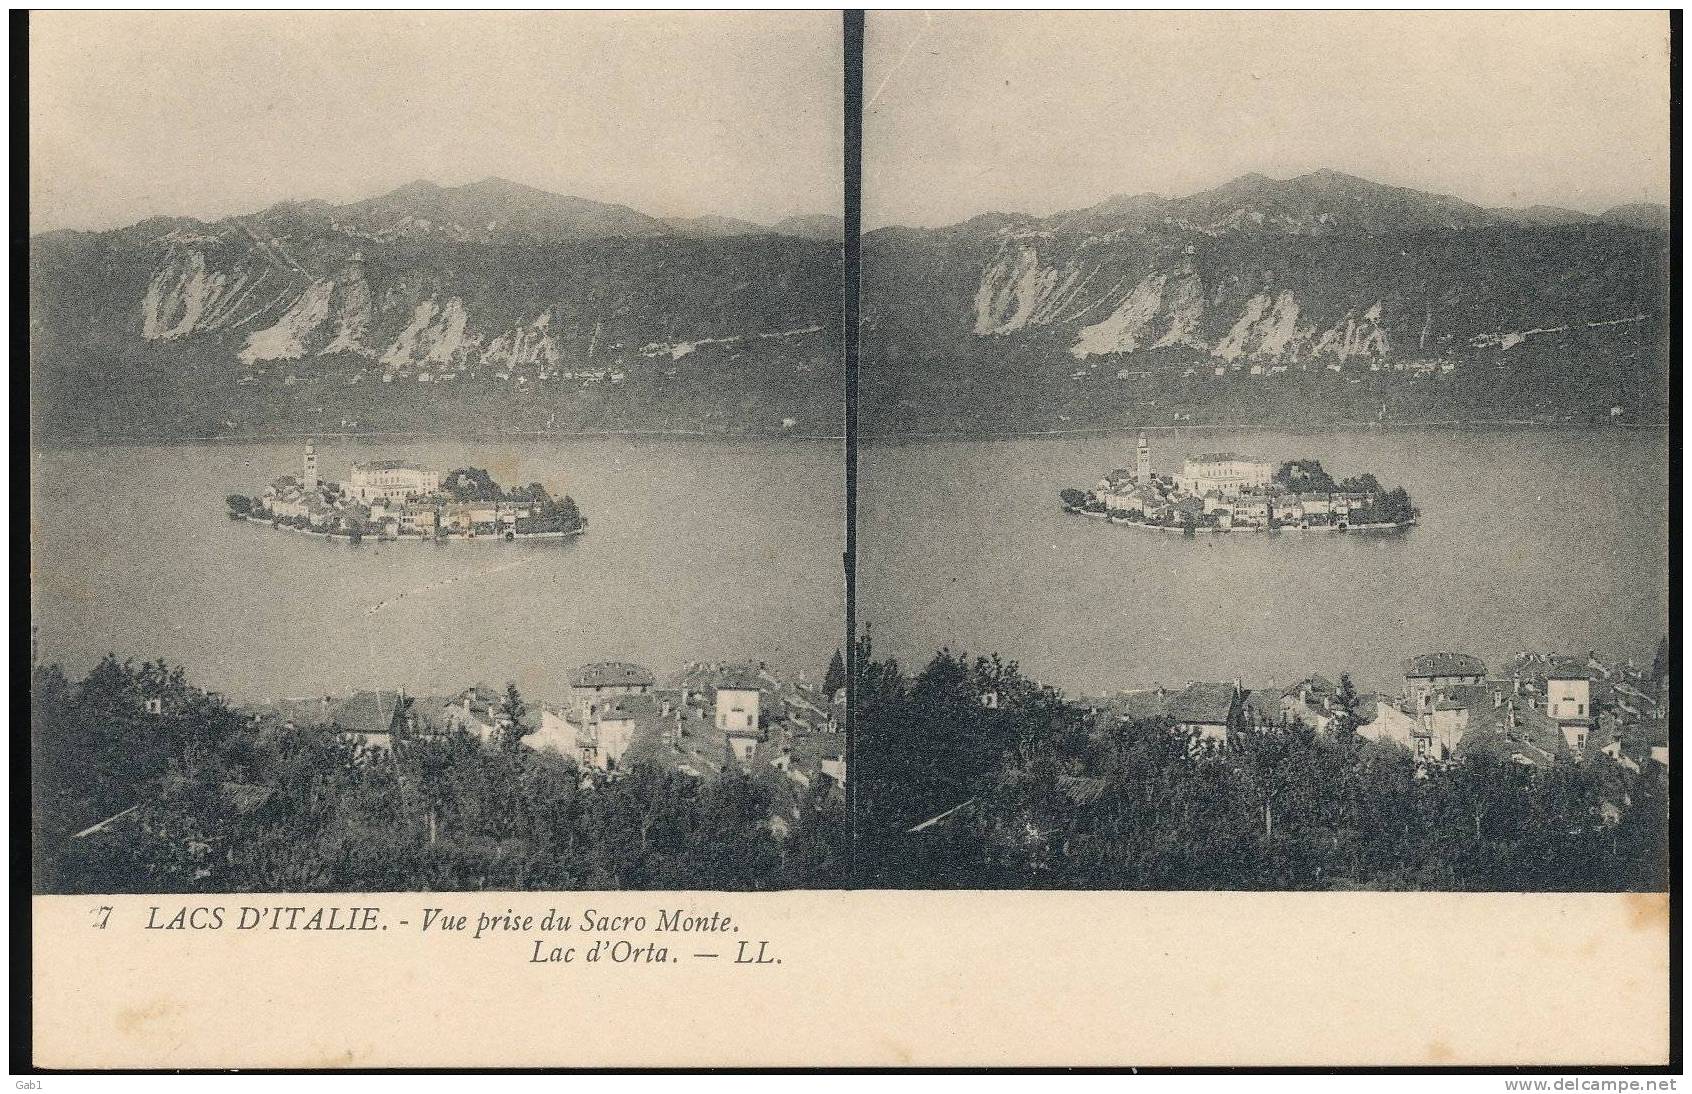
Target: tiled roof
x: 1205, y: 703
x: 386, y: 465
x: 1533, y: 733
x: 693, y: 752
x: 740, y: 680
x: 632, y: 706
x: 701, y: 676
x: 1140, y: 706
x: 1265, y: 703
x: 1463, y: 697
x: 1493, y: 741
x: 1444, y: 664
x: 611, y: 674
x: 369, y: 711
x: 810, y: 750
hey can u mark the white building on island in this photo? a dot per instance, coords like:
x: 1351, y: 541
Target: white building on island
x: 391, y: 480
x: 1224, y: 472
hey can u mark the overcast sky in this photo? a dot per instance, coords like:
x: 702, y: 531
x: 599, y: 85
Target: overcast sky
x: 1041, y: 112
x: 208, y: 114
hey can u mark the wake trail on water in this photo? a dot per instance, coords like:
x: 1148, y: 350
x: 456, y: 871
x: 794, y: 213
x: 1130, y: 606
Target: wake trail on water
x: 436, y: 586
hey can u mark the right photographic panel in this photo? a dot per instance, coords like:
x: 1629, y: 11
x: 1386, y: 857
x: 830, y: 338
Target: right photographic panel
x: 1264, y: 452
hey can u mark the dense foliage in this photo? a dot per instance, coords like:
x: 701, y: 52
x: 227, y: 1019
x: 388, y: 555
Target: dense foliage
x: 1307, y: 476
x: 218, y: 804
x: 834, y: 677
x: 549, y: 514
x: 1032, y: 791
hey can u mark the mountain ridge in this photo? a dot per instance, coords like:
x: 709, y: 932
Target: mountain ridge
x: 1324, y: 298
x: 491, y: 209
x: 490, y: 306
x: 1255, y: 201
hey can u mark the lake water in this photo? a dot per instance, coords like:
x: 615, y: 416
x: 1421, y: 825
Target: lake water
x: 698, y: 549
x: 1528, y: 540
x: 695, y: 550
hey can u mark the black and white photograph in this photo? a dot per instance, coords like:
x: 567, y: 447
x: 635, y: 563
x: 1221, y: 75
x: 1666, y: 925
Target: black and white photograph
x: 435, y: 468
x: 802, y: 539
x: 1264, y: 465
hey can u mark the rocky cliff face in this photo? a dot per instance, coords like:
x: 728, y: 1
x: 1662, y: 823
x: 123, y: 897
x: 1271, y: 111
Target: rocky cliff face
x: 1326, y: 297
x: 532, y: 308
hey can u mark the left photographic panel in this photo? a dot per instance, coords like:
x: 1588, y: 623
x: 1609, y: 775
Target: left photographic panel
x: 435, y: 451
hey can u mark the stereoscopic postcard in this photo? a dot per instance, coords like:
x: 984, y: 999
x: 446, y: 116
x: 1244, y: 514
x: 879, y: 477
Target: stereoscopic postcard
x: 818, y: 539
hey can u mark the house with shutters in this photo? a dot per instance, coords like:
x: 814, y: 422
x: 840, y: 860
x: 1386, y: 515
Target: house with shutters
x: 1428, y: 673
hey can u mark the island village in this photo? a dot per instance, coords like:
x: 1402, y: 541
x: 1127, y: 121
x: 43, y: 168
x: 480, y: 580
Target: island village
x: 711, y: 717
x: 397, y: 500
x: 1225, y: 491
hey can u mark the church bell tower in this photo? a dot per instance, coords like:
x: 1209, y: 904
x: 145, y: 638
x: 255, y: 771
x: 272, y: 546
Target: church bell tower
x: 308, y: 467
x: 1142, y: 464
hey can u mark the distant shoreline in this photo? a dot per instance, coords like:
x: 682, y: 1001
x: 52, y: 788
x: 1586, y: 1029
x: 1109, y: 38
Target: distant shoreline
x: 157, y: 440
x: 1463, y: 424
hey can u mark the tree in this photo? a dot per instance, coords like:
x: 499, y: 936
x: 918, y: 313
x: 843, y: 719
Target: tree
x: 534, y: 493
x: 471, y: 484
x: 835, y: 678
x: 1073, y: 498
x: 1304, y: 477
x: 1348, y: 716
x: 239, y: 505
x: 1395, y: 506
x: 512, y: 710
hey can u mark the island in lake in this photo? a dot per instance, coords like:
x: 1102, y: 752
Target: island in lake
x: 1225, y: 492
x: 397, y: 500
